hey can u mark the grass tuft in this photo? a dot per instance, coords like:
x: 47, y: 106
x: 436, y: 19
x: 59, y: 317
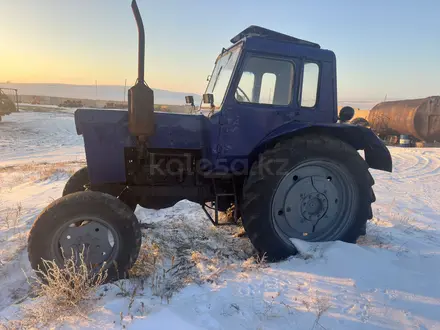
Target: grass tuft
x: 62, y: 293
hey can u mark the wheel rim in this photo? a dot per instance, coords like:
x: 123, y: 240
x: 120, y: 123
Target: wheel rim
x: 94, y: 237
x: 314, y: 202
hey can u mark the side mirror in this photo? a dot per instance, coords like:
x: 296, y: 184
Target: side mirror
x: 209, y: 99
x: 189, y: 100
x: 346, y: 114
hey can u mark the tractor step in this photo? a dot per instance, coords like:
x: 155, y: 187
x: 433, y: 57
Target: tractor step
x: 214, y: 220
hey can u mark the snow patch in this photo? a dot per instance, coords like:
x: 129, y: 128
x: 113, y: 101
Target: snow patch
x: 389, y: 279
x: 310, y: 250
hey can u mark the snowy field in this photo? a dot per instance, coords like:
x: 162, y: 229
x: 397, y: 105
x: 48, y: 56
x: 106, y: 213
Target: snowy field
x: 207, y: 277
x: 39, y: 136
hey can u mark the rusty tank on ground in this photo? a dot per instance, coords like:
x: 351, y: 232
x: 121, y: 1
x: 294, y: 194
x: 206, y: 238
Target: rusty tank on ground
x: 419, y: 118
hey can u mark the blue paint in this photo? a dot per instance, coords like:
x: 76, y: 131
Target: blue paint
x: 237, y: 130
x: 405, y: 141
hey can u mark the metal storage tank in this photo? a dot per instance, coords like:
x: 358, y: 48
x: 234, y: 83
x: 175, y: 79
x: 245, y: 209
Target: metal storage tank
x: 419, y: 118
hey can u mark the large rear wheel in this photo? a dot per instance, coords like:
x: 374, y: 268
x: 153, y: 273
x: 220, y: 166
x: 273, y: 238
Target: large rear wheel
x: 98, y: 224
x: 315, y: 188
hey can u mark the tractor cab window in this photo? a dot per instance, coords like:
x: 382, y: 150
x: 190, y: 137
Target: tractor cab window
x: 310, y: 85
x: 221, y: 75
x: 265, y: 81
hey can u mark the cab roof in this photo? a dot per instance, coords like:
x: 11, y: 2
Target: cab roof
x: 258, y: 31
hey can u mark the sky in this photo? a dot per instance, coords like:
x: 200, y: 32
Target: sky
x: 382, y: 47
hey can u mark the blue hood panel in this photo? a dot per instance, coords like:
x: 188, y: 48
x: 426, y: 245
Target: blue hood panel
x: 106, y: 135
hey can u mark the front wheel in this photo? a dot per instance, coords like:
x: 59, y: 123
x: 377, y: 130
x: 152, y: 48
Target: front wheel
x: 77, y: 182
x: 315, y: 188
x: 99, y: 224
x: 80, y: 180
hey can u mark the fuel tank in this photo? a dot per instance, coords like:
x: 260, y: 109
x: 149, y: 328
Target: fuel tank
x: 419, y: 118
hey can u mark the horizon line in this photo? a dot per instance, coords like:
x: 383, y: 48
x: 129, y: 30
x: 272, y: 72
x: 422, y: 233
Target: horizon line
x: 91, y: 85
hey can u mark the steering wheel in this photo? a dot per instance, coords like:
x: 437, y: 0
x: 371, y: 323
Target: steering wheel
x: 244, y: 94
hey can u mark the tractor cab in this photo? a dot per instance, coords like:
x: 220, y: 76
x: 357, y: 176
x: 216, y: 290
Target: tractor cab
x: 268, y: 70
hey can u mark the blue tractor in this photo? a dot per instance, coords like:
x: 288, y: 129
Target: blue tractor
x: 268, y: 142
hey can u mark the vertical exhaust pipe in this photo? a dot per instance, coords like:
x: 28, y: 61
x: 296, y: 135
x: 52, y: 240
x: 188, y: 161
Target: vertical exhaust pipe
x: 140, y: 96
x: 141, y: 42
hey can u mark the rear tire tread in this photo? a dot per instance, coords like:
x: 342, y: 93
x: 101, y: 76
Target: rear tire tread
x: 261, y: 233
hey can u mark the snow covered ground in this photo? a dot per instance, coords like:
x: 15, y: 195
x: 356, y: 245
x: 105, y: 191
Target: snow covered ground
x: 39, y: 136
x: 389, y: 280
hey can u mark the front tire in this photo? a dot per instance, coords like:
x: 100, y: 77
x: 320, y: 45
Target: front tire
x: 80, y: 180
x: 77, y: 182
x: 101, y: 223
x: 313, y: 187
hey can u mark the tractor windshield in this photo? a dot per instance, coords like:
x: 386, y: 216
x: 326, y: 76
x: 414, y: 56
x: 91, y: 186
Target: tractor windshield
x: 222, y: 75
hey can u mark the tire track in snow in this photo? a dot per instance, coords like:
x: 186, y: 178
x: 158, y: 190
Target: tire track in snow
x: 415, y: 164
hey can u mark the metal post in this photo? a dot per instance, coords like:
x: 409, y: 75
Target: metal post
x: 16, y: 99
x: 125, y: 89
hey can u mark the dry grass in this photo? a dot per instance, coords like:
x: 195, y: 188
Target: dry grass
x: 149, y: 260
x: 69, y: 285
x: 153, y: 268
x: 12, y: 217
x: 32, y: 172
x: 174, y: 253
x: 210, y: 268
x: 40, y: 167
x: 178, y: 251
x: 12, y: 176
x: 62, y: 293
x: 317, y: 303
x: 321, y: 305
x: 255, y: 262
x: 14, y: 236
x: 19, y: 242
x: 47, y: 171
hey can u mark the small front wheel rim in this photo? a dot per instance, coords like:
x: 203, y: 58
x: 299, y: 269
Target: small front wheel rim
x: 315, y: 201
x: 92, y: 237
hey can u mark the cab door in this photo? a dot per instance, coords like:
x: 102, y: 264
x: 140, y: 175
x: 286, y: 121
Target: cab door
x: 262, y: 97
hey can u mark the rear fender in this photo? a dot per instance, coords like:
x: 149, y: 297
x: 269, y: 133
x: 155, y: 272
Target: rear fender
x: 377, y: 154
